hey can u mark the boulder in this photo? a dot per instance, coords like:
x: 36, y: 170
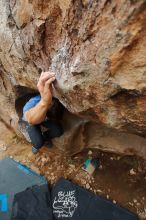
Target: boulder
x: 97, y: 50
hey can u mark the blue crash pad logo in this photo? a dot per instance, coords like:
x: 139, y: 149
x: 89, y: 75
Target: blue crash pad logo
x: 3, y: 203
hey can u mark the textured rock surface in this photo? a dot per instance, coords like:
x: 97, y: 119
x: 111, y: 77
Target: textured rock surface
x: 96, y: 48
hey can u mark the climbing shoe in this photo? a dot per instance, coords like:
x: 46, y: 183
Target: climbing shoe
x: 34, y: 150
x: 48, y: 144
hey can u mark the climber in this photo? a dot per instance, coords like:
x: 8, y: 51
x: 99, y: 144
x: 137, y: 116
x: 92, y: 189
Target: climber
x: 43, y: 111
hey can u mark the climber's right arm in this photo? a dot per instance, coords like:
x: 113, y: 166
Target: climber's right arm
x: 37, y: 114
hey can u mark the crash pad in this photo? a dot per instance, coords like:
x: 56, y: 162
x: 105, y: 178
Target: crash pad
x: 14, y: 178
x: 70, y: 201
x: 33, y: 204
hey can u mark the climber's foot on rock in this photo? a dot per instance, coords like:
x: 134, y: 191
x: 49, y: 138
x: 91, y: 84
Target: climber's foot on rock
x: 34, y: 150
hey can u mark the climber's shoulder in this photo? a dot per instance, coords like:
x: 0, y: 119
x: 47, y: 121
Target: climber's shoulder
x: 31, y: 103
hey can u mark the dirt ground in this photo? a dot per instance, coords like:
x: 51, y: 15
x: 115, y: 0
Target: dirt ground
x: 121, y: 179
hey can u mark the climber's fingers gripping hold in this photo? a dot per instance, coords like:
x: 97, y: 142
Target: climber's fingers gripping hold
x: 45, y: 88
x: 45, y: 76
x: 49, y: 82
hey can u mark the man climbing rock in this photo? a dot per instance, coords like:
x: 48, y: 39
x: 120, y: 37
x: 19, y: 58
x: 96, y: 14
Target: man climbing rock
x: 43, y: 110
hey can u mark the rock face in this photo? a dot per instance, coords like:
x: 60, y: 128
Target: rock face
x: 96, y: 48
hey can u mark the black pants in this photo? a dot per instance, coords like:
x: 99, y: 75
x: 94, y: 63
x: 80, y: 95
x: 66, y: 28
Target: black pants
x: 38, y: 138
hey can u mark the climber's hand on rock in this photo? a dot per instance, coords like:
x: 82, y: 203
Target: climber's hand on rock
x: 45, y: 87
